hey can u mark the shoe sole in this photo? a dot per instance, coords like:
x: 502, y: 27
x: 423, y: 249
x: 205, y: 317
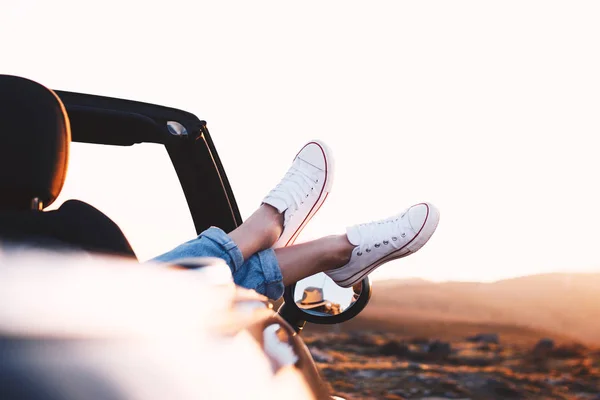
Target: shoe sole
x: 329, y: 168
x: 417, y: 242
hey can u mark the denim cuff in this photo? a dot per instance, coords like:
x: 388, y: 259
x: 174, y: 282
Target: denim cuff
x: 272, y: 273
x: 218, y: 236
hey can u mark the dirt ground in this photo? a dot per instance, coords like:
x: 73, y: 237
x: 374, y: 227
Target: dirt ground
x: 380, y: 365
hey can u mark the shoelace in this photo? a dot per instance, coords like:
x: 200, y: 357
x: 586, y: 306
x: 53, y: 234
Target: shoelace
x: 380, y: 233
x: 295, y: 187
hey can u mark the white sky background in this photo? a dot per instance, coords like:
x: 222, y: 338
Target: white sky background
x: 490, y: 110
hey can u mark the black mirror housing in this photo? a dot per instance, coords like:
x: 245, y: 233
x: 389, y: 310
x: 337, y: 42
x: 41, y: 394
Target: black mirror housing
x: 312, y: 305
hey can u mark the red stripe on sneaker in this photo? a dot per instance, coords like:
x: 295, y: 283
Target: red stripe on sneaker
x: 308, y: 216
x: 301, y: 227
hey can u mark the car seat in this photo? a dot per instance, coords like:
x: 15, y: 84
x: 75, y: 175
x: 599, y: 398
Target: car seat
x: 35, y: 136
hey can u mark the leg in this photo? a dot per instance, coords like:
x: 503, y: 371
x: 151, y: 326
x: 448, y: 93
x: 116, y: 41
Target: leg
x: 347, y: 259
x: 268, y: 271
x: 306, y: 259
x: 285, y: 210
x: 259, y: 232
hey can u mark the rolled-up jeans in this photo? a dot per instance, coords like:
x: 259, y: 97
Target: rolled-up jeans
x: 259, y: 272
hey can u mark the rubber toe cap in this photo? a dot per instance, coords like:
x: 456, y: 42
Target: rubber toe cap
x: 417, y: 216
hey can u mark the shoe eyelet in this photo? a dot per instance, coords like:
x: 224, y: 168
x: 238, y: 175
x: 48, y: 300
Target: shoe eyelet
x: 359, y: 253
x: 386, y: 242
x: 368, y: 250
x: 307, y: 195
x: 394, y: 238
x: 377, y: 244
x: 317, y: 181
x: 403, y: 234
x: 312, y: 188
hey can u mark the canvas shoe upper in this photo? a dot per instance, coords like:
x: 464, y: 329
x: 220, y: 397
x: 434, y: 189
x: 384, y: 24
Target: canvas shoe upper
x: 382, y: 241
x: 302, y: 190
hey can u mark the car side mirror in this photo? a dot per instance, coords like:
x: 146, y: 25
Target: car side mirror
x: 318, y: 299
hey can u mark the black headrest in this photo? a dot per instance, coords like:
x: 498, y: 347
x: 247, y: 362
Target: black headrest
x: 34, y: 143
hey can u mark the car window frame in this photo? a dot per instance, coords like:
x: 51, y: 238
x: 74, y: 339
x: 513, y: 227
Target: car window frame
x: 112, y: 121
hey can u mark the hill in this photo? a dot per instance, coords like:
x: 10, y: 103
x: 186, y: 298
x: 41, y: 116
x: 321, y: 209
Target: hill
x: 560, y: 305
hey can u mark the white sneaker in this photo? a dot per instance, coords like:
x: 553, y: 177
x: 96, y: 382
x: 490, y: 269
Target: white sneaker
x: 382, y: 241
x: 302, y: 190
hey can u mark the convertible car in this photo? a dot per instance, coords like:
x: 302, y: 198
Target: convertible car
x: 83, y: 314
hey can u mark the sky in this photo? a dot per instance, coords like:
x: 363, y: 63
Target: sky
x: 489, y: 110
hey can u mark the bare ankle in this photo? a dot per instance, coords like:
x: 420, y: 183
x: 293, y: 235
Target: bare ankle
x: 273, y: 223
x: 341, y: 251
x: 259, y: 232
